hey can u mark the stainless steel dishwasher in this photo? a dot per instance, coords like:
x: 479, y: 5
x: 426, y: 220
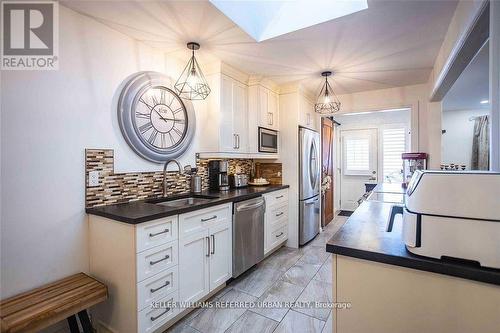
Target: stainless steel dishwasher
x: 248, y: 234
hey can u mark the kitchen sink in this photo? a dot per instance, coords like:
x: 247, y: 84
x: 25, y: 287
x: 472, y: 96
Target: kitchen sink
x: 189, y: 200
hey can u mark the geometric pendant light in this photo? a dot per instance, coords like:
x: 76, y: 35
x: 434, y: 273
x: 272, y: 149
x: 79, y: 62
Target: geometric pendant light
x: 327, y: 101
x: 192, y: 84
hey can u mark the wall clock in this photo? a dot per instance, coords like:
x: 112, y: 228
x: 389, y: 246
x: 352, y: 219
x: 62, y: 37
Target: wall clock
x: 155, y: 122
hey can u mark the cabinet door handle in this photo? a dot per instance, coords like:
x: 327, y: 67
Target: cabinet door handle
x: 208, y: 246
x: 161, y: 314
x: 279, y: 196
x: 279, y: 214
x: 159, y: 233
x: 213, y: 244
x: 166, y: 284
x: 280, y: 234
x: 209, y: 218
x: 269, y: 118
x: 159, y: 260
x: 237, y: 141
x: 235, y: 146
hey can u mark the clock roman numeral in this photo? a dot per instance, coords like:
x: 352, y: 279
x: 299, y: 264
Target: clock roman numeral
x: 177, y: 110
x: 142, y: 115
x: 162, y: 96
x: 179, y: 132
x: 163, y: 139
x: 152, y: 137
x: 146, y: 127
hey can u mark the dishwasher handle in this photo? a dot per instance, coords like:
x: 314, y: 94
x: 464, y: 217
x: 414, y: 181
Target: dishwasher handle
x: 249, y: 206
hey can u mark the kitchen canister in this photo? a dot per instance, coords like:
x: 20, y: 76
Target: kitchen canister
x: 195, y: 183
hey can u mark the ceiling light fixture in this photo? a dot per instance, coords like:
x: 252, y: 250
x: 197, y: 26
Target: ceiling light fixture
x: 327, y: 101
x: 484, y: 101
x: 192, y: 84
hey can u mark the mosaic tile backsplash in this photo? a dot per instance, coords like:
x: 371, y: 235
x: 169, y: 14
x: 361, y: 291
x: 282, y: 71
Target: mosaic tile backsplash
x: 124, y: 187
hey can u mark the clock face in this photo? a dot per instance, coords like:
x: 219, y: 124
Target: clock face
x: 154, y: 121
x: 160, y: 118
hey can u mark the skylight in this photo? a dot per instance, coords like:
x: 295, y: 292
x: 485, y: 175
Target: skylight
x: 267, y: 19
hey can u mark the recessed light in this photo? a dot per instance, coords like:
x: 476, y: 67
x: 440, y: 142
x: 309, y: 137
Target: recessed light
x: 485, y: 101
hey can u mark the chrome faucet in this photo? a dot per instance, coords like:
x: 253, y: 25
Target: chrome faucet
x: 165, y: 174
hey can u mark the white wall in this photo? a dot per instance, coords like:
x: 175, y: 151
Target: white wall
x: 48, y: 118
x: 457, y: 141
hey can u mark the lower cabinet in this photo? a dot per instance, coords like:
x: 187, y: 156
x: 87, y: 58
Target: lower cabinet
x: 275, y: 220
x: 195, y: 265
x: 173, y: 259
x: 205, y: 251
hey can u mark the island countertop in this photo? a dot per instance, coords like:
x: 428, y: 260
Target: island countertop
x: 363, y: 236
x: 142, y: 211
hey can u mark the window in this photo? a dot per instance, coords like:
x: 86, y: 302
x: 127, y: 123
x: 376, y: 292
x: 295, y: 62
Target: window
x: 357, y: 155
x: 393, y: 145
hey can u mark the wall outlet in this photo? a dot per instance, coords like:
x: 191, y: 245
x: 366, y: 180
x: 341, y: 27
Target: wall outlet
x: 93, y: 178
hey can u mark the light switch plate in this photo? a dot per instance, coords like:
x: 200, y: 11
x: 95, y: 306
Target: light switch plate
x: 93, y: 178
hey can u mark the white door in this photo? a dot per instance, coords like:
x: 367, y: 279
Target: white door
x: 194, y: 266
x: 240, y: 116
x: 272, y: 111
x: 221, y: 248
x: 358, y: 165
x: 227, y: 135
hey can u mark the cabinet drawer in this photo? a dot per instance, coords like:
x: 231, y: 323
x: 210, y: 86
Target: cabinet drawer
x: 150, y: 319
x: 277, y: 236
x: 276, y: 198
x: 155, y: 233
x: 157, y: 286
x: 196, y: 221
x: 157, y: 259
x: 277, y: 214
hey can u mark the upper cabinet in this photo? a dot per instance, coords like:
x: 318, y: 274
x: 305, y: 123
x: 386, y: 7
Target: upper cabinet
x: 263, y: 104
x: 234, y: 112
x: 233, y: 116
x: 307, y: 116
x: 224, y: 126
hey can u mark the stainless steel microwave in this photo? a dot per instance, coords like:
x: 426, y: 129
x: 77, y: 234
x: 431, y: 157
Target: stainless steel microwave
x: 268, y: 140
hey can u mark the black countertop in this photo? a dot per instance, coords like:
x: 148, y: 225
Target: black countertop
x: 363, y: 236
x: 142, y: 211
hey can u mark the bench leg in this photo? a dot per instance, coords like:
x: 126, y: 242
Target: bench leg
x: 73, y: 324
x: 85, y: 321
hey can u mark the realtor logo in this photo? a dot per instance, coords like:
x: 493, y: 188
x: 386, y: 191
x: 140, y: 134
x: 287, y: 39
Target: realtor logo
x: 29, y: 35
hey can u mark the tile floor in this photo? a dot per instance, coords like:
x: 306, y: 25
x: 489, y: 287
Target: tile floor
x: 287, y: 275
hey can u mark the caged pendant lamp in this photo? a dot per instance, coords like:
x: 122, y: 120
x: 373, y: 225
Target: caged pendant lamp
x: 327, y: 101
x: 192, y: 84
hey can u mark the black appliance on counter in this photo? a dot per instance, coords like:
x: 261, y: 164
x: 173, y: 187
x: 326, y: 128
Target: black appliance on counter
x: 218, y: 179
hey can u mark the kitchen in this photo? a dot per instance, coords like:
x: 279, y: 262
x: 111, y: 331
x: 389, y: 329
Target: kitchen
x: 97, y: 188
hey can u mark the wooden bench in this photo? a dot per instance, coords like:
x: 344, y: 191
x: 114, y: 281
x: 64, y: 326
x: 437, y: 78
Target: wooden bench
x: 39, y: 308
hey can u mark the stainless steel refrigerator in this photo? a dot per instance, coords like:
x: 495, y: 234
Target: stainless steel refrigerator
x: 309, y: 184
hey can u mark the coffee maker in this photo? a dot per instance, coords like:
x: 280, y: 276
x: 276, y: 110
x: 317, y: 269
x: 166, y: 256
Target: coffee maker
x: 218, y: 179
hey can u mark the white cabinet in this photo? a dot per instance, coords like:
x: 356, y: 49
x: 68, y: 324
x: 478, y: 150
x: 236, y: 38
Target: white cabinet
x: 140, y: 265
x: 205, y: 251
x: 220, y: 254
x: 228, y: 113
x: 263, y: 103
x: 307, y: 116
x: 193, y: 270
x: 275, y: 220
x: 263, y: 111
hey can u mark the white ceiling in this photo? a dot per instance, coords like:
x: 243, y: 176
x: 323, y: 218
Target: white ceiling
x: 392, y: 43
x: 472, y: 85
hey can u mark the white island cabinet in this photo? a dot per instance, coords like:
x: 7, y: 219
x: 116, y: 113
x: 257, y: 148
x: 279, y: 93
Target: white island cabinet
x: 178, y: 258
